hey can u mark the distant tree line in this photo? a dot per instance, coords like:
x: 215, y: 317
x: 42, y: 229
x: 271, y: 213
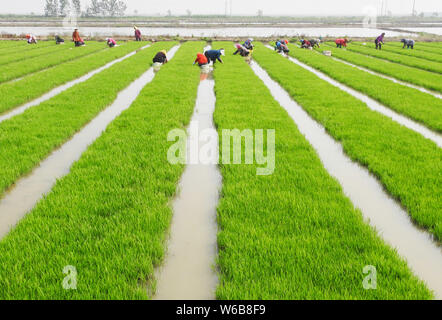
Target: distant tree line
x: 96, y: 8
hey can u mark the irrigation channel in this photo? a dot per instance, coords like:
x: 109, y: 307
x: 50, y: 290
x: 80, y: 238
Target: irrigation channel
x: 189, y: 268
x: 374, y: 105
x: 64, y: 87
x: 392, y: 223
x: 25, y: 194
x: 435, y: 94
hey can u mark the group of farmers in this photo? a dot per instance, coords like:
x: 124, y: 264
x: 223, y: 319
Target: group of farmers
x: 31, y: 39
x: 379, y: 41
x: 211, y: 56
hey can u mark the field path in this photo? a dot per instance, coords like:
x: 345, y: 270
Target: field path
x: 188, y: 271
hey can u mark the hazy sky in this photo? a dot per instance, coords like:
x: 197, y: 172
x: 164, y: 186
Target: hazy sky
x: 249, y: 7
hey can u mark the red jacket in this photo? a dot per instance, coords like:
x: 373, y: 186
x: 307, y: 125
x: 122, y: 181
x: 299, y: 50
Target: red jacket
x: 137, y: 33
x: 201, y: 59
x: 341, y: 42
x: 76, y: 36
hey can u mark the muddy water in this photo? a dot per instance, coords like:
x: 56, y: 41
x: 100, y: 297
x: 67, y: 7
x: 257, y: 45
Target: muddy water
x: 25, y: 194
x: 392, y: 223
x: 376, y: 106
x: 63, y: 87
x: 435, y: 94
x: 188, y: 271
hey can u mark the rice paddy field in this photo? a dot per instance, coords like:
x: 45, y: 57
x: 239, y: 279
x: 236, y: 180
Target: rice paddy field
x: 271, y: 177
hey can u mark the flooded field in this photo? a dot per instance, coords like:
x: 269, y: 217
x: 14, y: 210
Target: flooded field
x: 206, y: 32
x: 323, y: 165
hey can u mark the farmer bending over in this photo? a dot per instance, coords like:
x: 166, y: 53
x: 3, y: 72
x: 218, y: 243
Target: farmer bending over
x: 137, y: 34
x: 76, y: 38
x: 248, y: 44
x: 213, y: 55
x: 160, y: 57
x: 201, y: 59
x: 409, y: 43
x: 58, y: 40
x: 315, y: 43
x: 241, y: 50
x: 379, y: 41
x: 111, y: 42
x: 305, y: 44
x: 281, y: 46
x: 341, y: 42
x: 31, y: 39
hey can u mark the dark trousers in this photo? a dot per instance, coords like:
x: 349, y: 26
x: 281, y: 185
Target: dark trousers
x: 378, y: 45
x: 210, y: 58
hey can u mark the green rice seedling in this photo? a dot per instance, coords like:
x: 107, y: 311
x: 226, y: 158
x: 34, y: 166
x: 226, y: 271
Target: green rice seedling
x: 411, y: 102
x: 22, y: 56
x: 429, y: 80
x: 11, y: 44
x: 437, y: 45
x: 28, y: 138
x: 18, y: 69
x: 415, y: 62
x: 4, y: 43
x: 24, y: 47
x: 407, y: 164
x: 419, y: 47
x: 292, y: 234
x: 109, y: 216
x: 30, y: 87
x: 388, y: 47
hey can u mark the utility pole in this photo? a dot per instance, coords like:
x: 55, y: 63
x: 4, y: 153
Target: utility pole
x: 225, y: 9
x: 231, y: 7
x: 414, y: 8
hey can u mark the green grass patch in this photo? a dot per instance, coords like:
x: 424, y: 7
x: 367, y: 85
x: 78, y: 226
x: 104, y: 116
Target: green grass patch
x: 292, y: 234
x: 23, y: 46
x: 416, y: 52
x: 434, y: 45
x: 11, y: 44
x: 415, y: 62
x: 411, y: 102
x: 429, y: 80
x: 28, y: 138
x: 108, y: 217
x: 17, y: 93
x: 23, y: 55
x: 18, y: 69
x: 408, y: 165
